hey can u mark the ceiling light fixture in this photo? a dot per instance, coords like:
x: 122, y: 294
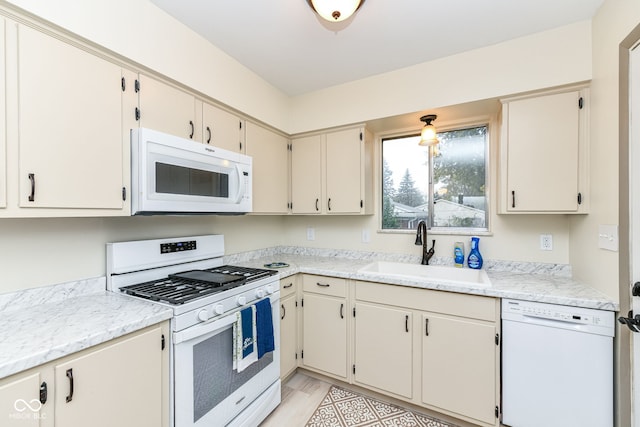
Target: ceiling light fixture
x: 335, y: 10
x: 428, y: 135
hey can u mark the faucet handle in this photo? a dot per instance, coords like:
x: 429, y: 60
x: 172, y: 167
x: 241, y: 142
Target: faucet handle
x: 433, y: 243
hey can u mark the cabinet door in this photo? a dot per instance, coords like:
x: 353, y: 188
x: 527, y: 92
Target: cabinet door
x: 383, y: 348
x: 459, y: 366
x: 70, y: 126
x: 306, y: 175
x: 325, y: 334
x: 168, y: 109
x: 222, y: 129
x: 543, y: 153
x: 344, y: 171
x: 270, y: 169
x: 20, y: 401
x: 288, y: 331
x: 118, y: 385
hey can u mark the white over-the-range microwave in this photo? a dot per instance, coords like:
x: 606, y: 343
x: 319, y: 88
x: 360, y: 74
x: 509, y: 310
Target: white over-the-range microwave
x: 173, y: 175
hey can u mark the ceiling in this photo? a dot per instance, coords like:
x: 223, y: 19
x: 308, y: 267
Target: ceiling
x: 293, y: 49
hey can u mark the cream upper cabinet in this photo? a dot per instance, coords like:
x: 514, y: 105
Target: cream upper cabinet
x: 288, y: 326
x: 332, y: 173
x: 543, y: 153
x: 222, y: 129
x: 69, y: 125
x: 383, y: 349
x: 270, y: 155
x: 123, y: 382
x: 306, y: 175
x: 324, y: 308
x: 345, y: 171
x: 167, y: 109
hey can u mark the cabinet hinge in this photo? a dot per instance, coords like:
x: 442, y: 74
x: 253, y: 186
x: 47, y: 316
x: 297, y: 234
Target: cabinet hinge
x: 580, y: 103
x: 354, y: 369
x: 136, y: 86
x: 123, y: 84
x: 296, y: 303
x: 360, y: 136
x: 240, y: 122
x: 124, y: 194
x: 302, y: 302
x: 301, y: 354
x: 162, y: 343
x: 240, y: 143
x: 137, y: 114
x: 497, y: 339
x: 361, y: 203
x: 497, y: 412
x: 354, y: 312
x: 296, y: 356
x: 579, y: 198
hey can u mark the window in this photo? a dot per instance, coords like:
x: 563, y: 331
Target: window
x: 444, y: 185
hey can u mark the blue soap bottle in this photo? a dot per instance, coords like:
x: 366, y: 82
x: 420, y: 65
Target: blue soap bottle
x: 475, y: 259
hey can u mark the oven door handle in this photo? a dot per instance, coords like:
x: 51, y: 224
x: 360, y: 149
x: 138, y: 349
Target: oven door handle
x: 203, y: 329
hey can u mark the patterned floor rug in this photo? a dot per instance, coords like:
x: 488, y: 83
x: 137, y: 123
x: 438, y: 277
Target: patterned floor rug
x: 343, y: 408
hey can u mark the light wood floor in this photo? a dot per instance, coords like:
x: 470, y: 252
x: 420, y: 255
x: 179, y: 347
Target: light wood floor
x: 301, y: 395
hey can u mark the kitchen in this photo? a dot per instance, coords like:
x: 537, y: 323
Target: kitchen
x: 594, y: 56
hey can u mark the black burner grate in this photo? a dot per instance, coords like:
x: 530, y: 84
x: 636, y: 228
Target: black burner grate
x: 183, y: 287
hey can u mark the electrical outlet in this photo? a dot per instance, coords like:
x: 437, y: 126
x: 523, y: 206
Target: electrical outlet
x: 311, y: 233
x: 546, y: 242
x: 366, y: 237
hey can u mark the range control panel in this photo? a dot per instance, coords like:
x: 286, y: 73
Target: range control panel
x: 562, y: 313
x: 167, y: 248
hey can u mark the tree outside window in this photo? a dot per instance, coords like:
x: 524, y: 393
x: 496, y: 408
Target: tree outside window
x: 456, y: 193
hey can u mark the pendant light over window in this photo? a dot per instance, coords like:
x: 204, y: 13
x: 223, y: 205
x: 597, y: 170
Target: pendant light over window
x: 428, y: 135
x: 335, y: 10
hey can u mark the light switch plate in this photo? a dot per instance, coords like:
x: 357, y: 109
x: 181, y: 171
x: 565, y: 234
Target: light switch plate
x: 608, y: 237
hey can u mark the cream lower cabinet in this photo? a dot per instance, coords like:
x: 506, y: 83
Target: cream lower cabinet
x: 120, y: 383
x: 324, y: 323
x: 459, y: 372
x: 383, y: 349
x: 288, y: 326
x: 435, y: 349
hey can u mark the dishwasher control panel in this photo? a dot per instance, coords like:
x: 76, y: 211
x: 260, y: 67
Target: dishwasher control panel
x: 578, y: 315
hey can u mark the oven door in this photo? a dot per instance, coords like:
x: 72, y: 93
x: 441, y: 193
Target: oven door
x: 207, y: 390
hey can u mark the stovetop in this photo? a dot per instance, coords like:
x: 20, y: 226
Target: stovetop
x: 185, y: 286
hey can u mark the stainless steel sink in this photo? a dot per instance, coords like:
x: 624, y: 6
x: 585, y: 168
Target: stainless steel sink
x: 427, y: 273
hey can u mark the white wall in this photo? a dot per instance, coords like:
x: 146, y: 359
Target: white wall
x: 38, y: 252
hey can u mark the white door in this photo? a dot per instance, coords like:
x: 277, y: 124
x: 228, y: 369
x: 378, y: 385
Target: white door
x: 634, y: 203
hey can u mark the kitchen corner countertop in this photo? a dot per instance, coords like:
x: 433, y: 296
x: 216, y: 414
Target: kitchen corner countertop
x: 37, y: 329
x: 504, y: 284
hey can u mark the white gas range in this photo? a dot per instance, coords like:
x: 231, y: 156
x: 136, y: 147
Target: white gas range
x: 187, y: 274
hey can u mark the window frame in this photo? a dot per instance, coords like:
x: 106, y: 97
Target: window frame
x: 490, y: 123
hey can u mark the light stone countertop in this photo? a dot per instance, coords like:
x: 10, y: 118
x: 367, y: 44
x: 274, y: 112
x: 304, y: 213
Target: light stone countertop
x: 547, y: 288
x: 43, y: 324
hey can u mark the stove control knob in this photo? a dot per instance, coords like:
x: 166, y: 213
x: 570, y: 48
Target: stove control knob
x: 242, y: 300
x: 218, y: 309
x: 260, y: 293
x: 203, y: 315
x: 269, y: 289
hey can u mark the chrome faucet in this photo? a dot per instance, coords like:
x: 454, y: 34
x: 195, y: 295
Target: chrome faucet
x: 421, y: 239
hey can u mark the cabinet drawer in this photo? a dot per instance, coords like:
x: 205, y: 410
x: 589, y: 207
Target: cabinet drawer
x: 324, y: 285
x: 470, y: 306
x: 287, y: 287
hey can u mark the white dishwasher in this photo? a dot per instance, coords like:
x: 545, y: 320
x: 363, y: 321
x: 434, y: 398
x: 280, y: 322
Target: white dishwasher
x: 557, y: 365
